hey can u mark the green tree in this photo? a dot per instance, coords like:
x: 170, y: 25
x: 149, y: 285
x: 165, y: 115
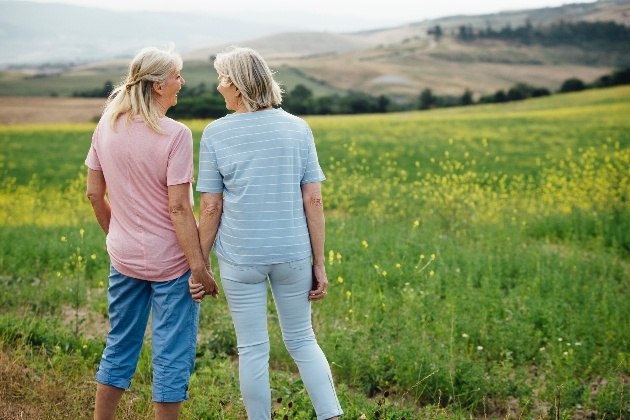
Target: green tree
x: 426, y: 100
x: 466, y: 98
x: 572, y: 85
x: 298, y: 100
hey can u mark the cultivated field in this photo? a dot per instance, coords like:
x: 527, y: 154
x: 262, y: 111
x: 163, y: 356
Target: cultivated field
x: 47, y: 110
x: 479, y: 261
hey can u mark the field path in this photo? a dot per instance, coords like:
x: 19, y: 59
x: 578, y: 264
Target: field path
x: 43, y: 110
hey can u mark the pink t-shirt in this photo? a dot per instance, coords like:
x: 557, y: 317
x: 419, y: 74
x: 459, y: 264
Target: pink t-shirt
x: 138, y: 165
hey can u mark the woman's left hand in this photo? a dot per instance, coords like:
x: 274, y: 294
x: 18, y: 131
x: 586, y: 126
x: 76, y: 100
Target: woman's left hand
x: 320, y: 283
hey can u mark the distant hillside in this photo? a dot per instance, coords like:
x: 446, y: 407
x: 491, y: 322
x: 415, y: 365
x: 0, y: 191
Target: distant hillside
x: 445, y: 66
x: 405, y: 60
x: 397, y: 61
x: 305, y: 44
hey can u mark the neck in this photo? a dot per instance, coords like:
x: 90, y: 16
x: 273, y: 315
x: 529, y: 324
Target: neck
x: 241, y: 109
x: 161, y: 108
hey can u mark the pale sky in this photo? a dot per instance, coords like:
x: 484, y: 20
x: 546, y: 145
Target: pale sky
x: 393, y: 11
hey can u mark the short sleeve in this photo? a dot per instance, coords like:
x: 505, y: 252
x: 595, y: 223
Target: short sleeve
x: 92, y: 161
x: 313, y: 172
x: 210, y: 178
x: 180, y: 163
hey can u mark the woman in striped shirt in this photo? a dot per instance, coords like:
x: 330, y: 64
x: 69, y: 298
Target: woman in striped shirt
x: 262, y: 213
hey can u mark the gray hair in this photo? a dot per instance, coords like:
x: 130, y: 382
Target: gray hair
x: 247, y: 70
x: 134, y: 96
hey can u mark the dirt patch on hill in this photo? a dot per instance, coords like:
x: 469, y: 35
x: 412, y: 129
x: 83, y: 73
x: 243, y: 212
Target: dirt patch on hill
x: 47, y: 110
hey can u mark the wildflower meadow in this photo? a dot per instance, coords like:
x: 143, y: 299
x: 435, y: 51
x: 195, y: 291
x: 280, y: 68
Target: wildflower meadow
x: 478, y: 260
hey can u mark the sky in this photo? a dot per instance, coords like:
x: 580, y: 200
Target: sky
x: 384, y: 11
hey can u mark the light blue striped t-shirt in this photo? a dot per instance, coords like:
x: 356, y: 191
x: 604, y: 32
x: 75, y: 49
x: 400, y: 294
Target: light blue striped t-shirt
x: 259, y: 160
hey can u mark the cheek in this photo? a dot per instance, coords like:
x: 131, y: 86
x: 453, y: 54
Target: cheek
x: 226, y: 90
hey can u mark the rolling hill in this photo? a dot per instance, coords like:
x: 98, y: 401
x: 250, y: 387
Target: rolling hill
x: 397, y: 61
x: 404, y: 60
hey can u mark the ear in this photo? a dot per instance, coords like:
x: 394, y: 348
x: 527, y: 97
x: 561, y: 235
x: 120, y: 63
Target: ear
x: 157, y: 87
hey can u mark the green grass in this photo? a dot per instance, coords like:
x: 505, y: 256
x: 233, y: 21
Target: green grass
x: 479, y: 261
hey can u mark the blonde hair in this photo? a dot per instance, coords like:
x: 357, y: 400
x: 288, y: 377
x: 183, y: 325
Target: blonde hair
x: 247, y: 70
x: 134, y: 96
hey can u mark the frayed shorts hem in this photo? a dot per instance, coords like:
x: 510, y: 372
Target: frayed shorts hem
x: 170, y: 397
x: 115, y: 382
x: 158, y: 396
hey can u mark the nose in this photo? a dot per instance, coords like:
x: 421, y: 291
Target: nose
x: 183, y: 81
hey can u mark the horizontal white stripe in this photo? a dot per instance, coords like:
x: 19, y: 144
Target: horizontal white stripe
x: 266, y: 238
x: 267, y: 246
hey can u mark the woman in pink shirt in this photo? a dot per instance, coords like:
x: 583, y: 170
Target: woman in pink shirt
x: 140, y: 174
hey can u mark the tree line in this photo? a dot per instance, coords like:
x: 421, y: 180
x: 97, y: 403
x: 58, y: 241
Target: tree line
x: 607, y: 34
x: 204, y: 102
x: 520, y: 91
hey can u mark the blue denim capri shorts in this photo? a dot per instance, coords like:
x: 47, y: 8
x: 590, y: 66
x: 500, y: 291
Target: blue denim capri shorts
x: 174, y: 324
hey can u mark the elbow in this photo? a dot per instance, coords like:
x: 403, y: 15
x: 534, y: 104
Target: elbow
x: 176, y: 209
x: 314, y: 200
x: 211, y: 205
x: 212, y: 209
x: 312, y: 196
x: 93, y: 197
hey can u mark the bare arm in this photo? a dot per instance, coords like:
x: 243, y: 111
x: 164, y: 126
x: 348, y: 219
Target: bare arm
x: 185, y: 226
x: 210, y: 216
x: 314, y: 210
x: 96, y: 189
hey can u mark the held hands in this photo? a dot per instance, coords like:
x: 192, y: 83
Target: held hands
x: 320, y: 283
x: 202, y: 284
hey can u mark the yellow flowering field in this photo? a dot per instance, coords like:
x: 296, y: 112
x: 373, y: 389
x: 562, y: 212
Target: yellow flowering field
x: 478, y: 260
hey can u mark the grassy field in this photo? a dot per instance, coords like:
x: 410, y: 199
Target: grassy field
x: 479, y: 261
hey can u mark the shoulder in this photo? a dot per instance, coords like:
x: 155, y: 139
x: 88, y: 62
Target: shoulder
x: 104, y: 121
x: 281, y: 113
x: 292, y: 118
x: 104, y: 127
x: 287, y: 120
x: 220, y: 121
x: 218, y: 126
x: 170, y: 126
